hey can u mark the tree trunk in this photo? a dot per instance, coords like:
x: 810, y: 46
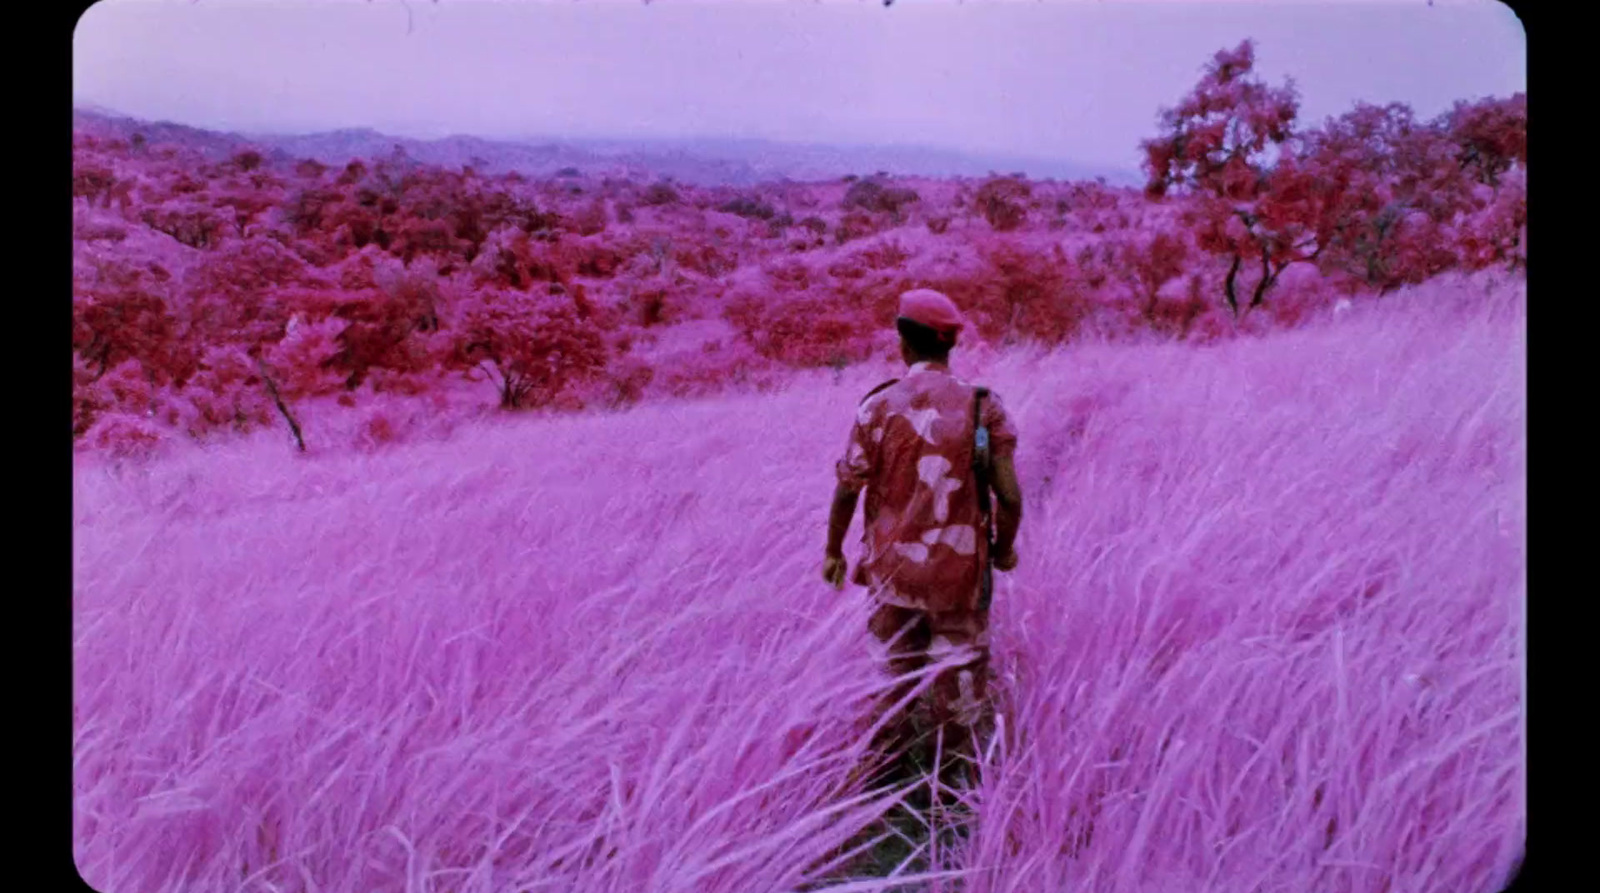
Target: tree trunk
x: 1228, y: 293
x: 277, y: 399
x: 1268, y: 276
x: 1152, y: 299
x: 513, y: 388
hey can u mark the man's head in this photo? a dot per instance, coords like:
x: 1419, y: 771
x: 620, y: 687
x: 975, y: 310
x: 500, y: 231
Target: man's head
x: 928, y: 324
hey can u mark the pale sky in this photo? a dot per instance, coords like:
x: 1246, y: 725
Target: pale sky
x: 1077, y: 80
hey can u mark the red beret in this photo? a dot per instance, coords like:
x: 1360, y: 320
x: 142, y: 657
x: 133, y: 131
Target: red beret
x: 932, y: 309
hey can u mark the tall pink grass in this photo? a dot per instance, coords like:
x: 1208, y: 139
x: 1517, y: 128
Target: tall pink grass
x: 1266, y: 635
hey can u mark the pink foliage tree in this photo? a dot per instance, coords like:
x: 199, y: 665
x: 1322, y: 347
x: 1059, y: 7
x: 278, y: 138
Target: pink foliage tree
x: 190, y: 222
x: 120, y: 312
x: 92, y: 182
x: 243, y: 294
x: 302, y: 361
x: 1028, y: 294
x: 1402, y: 200
x: 1149, y: 260
x: 1003, y: 202
x: 1219, y: 144
x: 531, y: 347
x: 227, y: 393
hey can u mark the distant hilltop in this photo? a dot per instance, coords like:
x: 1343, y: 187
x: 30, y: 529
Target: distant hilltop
x: 706, y: 162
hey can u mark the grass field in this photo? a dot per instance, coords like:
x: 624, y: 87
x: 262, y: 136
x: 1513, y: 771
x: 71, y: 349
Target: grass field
x: 1266, y: 635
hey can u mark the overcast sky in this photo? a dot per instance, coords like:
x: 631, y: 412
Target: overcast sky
x: 1078, y: 80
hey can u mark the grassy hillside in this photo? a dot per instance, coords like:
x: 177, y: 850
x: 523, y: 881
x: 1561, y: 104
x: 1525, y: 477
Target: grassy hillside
x: 1266, y: 636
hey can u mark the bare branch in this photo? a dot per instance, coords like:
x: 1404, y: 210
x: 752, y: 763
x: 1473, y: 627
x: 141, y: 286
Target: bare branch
x: 277, y: 399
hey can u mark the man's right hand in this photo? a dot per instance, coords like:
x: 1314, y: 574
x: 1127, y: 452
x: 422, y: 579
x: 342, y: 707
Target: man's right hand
x: 1005, y: 561
x: 833, y: 570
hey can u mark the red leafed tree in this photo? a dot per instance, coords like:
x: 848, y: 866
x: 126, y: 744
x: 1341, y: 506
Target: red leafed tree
x: 1400, y: 201
x: 306, y: 209
x: 302, y: 362
x: 386, y: 328
x: 190, y: 222
x: 627, y: 379
x: 114, y: 323
x: 1367, y: 165
x: 810, y: 330
x: 532, y: 347
x: 1491, y: 136
x: 238, y: 294
x: 513, y: 260
x: 875, y: 196
x: 1497, y: 231
x: 228, y: 393
x: 590, y: 219
x: 854, y: 225
x: 420, y: 236
x: 244, y: 205
x: 1003, y: 202
x: 1221, y: 145
x: 92, y: 181
x: 126, y: 388
x: 1148, y: 261
x: 1028, y: 295
x: 87, y: 400
x: 247, y: 160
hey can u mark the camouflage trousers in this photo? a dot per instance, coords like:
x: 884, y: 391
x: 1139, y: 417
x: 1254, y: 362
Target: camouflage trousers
x: 957, y: 701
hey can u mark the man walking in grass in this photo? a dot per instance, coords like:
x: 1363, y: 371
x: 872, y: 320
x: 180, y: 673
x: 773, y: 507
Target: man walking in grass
x: 927, y: 543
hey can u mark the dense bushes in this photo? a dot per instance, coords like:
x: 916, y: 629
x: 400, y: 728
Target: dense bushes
x: 350, y: 279
x: 1373, y: 192
x: 745, y: 206
x: 1002, y: 202
x: 875, y: 197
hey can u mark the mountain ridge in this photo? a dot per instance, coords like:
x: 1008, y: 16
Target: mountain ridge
x: 706, y: 161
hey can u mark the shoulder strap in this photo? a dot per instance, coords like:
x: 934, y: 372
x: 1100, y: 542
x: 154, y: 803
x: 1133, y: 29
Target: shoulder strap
x: 890, y: 383
x: 980, y: 474
x: 980, y: 449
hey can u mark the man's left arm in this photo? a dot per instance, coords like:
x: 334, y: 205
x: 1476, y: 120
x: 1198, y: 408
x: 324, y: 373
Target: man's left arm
x: 839, y: 516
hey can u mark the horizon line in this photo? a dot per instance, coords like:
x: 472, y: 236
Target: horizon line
x: 974, y: 155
